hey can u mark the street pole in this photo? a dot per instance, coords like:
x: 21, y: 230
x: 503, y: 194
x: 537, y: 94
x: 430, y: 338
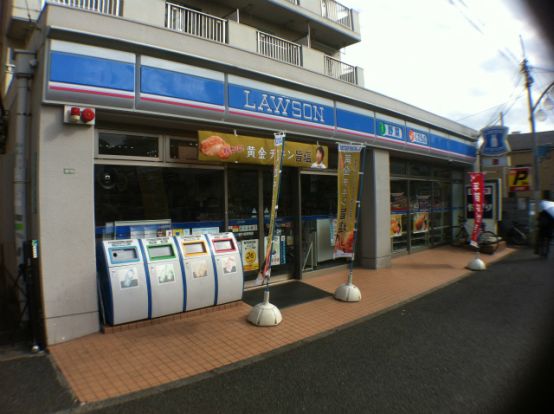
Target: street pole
x: 536, y: 176
x: 536, y: 164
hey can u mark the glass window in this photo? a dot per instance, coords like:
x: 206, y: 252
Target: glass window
x: 441, y: 172
x: 183, y: 150
x: 128, y: 145
x: 127, y: 193
x: 398, y: 167
x: 419, y: 169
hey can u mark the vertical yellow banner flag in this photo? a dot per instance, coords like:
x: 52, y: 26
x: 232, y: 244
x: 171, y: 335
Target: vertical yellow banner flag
x: 277, y: 165
x: 348, y: 182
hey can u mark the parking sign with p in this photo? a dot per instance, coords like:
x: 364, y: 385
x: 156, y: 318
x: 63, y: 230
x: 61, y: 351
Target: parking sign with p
x: 519, y: 179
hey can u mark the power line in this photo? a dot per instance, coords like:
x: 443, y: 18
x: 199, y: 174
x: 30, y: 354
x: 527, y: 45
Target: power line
x: 480, y: 27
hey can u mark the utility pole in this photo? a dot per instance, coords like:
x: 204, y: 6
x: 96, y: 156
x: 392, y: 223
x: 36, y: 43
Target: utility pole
x: 536, y: 170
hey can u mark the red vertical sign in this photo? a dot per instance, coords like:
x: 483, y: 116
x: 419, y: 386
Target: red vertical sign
x: 477, y: 183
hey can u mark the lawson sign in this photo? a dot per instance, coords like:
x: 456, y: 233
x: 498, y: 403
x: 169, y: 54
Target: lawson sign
x: 495, y: 143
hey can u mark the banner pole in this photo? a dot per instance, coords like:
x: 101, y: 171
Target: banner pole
x: 265, y: 313
x: 359, y: 208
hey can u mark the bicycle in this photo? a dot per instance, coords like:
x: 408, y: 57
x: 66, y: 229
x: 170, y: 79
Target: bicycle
x: 517, y: 235
x: 487, y: 240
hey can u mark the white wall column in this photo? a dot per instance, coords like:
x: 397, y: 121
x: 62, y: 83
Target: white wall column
x: 374, y: 248
x: 66, y: 226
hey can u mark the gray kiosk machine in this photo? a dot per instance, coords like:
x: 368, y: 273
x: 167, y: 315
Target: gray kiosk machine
x: 228, y: 264
x: 167, y: 288
x: 123, y: 282
x: 199, y: 272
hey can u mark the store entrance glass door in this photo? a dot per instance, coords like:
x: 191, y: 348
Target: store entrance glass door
x: 243, y: 210
x: 283, y: 248
x: 420, y: 214
x: 249, y: 198
x: 319, y: 213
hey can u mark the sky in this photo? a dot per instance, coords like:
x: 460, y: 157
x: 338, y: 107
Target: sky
x: 455, y: 58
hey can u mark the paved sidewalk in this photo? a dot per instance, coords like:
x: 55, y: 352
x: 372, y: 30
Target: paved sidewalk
x: 104, y: 366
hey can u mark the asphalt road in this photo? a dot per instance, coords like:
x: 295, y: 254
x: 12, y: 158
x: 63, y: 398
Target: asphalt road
x: 481, y: 345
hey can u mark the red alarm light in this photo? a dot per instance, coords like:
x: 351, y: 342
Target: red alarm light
x: 87, y: 115
x: 75, y: 114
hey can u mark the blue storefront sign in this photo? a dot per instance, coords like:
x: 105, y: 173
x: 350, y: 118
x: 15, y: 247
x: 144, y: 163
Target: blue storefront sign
x: 495, y: 141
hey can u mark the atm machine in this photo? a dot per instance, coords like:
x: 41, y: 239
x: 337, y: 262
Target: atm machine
x: 228, y: 265
x: 167, y: 286
x: 199, y: 271
x: 123, y: 281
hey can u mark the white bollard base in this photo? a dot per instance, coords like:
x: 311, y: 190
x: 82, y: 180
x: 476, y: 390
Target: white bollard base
x: 265, y: 314
x: 348, y: 293
x: 476, y: 264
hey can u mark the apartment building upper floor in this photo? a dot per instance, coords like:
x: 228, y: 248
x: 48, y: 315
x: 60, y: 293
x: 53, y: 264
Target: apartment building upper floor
x: 291, y: 43
x: 303, y: 33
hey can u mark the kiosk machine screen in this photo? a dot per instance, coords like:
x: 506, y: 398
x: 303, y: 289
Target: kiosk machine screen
x: 194, y: 248
x: 160, y: 251
x: 223, y: 245
x: 128, y: 254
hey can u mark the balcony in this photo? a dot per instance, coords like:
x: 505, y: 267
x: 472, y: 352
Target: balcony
x: 340, y: 70
x: 113, y: 7
x: 195, y: 23
x: 337, y: 13
x: 279, y: 49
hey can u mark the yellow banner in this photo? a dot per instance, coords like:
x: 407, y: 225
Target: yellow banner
x: 348, y: 180
x: 216, y: 146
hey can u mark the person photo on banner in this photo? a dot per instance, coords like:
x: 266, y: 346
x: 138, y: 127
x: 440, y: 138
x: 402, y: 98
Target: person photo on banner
x: 319, y: 157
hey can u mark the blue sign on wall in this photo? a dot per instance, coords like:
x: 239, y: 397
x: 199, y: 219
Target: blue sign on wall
x: 91, y: 71
x: 416, y: 136
x: 172, y: 84
x: 265, y: 103
x: 391, y: 130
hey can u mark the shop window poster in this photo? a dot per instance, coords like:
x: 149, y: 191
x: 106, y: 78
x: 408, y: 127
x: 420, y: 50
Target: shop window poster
x: 396, y: 225
x: 420, y: 222
x: 249, y: 250
x: 275, y: 250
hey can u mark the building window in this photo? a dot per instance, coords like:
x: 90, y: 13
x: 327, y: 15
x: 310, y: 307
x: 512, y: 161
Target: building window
x: 113, y: 144
x: 187, y: 197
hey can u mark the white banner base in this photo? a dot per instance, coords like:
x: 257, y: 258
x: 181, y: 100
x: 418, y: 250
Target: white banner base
x: 265, y: 314
x: 348, y: 293
x: 477, y: 263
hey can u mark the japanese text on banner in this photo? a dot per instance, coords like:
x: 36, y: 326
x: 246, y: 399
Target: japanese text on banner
x: 477, y: 184
x: 348, y: 180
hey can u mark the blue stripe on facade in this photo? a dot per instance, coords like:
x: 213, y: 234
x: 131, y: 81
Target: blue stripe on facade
x: 264, y: 102
x: 91, y: 71
x: 181, y: 86
x: 355, y: 121
x: 438, y: 142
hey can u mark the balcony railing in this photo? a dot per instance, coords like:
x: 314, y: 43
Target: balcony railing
x: 340, y: 70
x: 113, y: 7
x: 336, y: 12
x: 279, y: 49
x: 195, y: 23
